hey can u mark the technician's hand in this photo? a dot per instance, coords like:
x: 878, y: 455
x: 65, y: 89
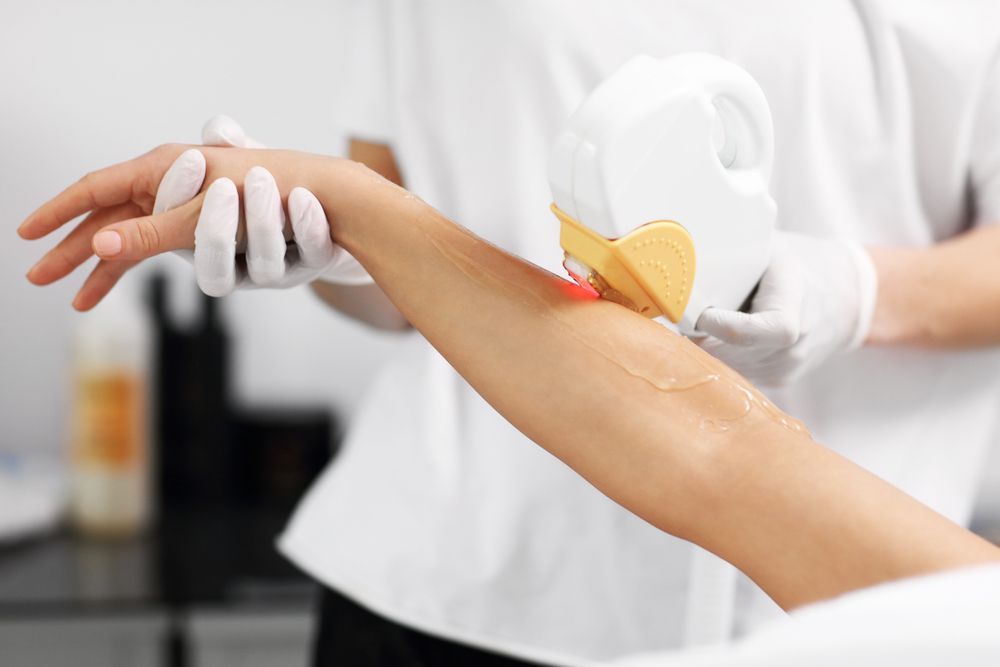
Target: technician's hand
x: 122, y: 229
x: 269, y: 261
x: 814, y: 301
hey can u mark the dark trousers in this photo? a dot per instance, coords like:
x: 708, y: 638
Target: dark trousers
x: 348, y: 635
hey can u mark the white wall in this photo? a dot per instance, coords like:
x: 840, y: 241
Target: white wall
x: 86, y: 84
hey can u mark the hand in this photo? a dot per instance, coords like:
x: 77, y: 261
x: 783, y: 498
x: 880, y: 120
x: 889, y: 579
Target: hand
x: 269, y: 260
x: 122, y: 228
x: 815, y: 300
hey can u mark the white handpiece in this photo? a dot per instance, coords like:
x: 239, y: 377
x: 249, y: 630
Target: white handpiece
x: 686, y: 139
x: 660, y: 181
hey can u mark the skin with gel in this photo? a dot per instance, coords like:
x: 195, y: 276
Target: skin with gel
x: 645, y: 416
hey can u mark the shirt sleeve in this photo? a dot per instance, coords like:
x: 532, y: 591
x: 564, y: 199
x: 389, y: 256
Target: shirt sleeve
x: 985, y: 150
x: 362, y: 70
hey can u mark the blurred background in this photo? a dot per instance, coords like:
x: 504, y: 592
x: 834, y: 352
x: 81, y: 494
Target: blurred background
x: 195, y: 579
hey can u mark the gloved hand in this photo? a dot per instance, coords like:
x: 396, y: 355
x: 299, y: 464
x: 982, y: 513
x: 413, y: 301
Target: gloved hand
x: 815, y: 300
x: 270, y: 260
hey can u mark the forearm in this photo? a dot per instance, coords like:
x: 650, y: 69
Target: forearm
x: 647, y: 417
x: 947, y: 295
x: 367, y: 303
x: 644, y: 415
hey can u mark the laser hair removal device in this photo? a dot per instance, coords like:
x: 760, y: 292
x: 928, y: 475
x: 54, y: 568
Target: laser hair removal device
x: 660, y: 184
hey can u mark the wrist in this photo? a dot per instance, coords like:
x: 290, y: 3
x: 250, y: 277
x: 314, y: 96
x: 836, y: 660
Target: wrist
x: 868, y: 283
x: 355, y: 200
x: 891, y: 322
x: 370, y: 217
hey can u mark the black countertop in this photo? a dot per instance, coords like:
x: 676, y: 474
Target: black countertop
x: 213, y: 559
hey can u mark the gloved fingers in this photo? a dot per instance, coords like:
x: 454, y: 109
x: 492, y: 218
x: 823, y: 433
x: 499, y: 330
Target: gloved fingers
x: 310, y: 228
x: 265, y: 228
x: 318, y: 251
x: 75, y: 249
x: 781, y: 287
x: 777, y: 368
x: 775, y: 315
x: 769, y: 329
x: 769, y: 368
x: 224, y: 131
x: 144, y: 237
x: 296, y: 273
x: 741, y: 359
x: 182, y: 181
x: 100, y: 281
x: 724, y: 325
x: 215, y: 239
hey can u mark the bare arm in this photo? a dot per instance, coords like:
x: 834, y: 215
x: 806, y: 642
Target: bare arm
x: 367, y: 303
x: 947, y: 295
x: 648, y: 418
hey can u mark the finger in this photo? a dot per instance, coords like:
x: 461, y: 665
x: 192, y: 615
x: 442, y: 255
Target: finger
x: 765, y: 329
x: 215, y: 239
x: 224, y: 131
x: 730, y: 355
x: 744, y: 360
x: 310, y: 229
x: 725, y: 325
x: 100, y: 281
x: 781, y: 287
x: 75, y: 249
x: 182, y: 182
x: 265, y: 227
x: 99, y: 189
x: 140, y: 238
x: 776, y: 312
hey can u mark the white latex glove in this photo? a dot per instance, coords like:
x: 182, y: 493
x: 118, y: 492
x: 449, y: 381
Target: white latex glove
x: 815, y: 300
x: 269, y: 261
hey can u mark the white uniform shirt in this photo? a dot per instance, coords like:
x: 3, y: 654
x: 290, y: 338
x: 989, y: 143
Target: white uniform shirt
x: 439, y: 514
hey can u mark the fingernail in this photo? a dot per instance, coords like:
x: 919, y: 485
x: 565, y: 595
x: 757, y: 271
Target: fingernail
x: 107, y: 244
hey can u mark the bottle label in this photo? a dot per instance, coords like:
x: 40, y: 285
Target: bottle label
x: 110, y: 421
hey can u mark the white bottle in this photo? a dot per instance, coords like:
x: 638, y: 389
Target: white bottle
x: 110, y: 435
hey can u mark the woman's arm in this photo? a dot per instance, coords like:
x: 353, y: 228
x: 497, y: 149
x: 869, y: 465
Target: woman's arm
x: 647, y: 417
x: 644, y: 415
x: 946, y: 295
x: 367, y: 303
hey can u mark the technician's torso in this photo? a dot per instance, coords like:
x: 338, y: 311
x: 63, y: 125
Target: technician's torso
x: 441, y: 515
